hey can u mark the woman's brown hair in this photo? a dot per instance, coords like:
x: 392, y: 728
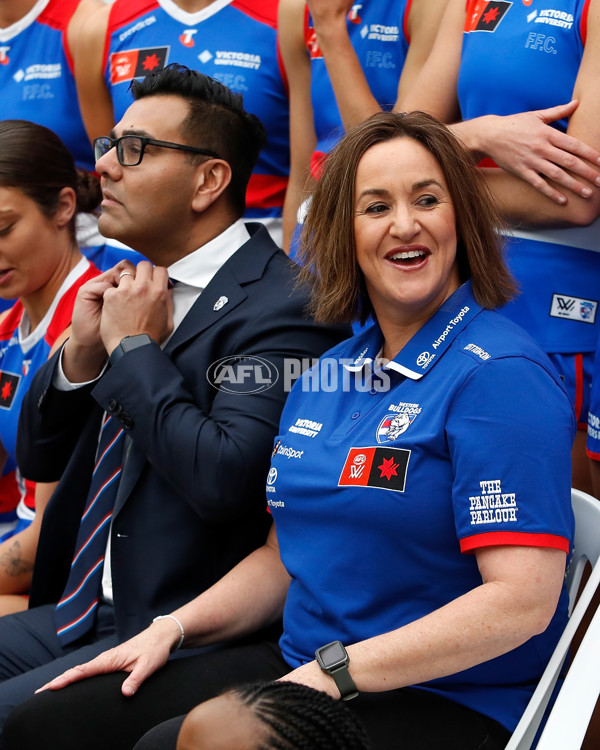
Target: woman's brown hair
x: 34, y: 160
x: 328, y: 252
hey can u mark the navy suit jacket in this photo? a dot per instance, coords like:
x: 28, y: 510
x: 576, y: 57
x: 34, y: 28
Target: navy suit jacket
x: 191, y: 501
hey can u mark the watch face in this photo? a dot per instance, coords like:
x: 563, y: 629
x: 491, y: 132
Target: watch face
x: 333, y: 655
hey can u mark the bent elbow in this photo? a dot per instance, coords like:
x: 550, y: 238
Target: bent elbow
x: 583, y: 213
x: 541, y: 616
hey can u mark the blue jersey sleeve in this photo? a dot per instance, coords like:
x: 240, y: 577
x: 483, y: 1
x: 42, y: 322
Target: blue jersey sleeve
x: 510, y: 429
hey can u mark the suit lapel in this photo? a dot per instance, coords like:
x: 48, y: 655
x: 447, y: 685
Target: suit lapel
x: 203, y: 314
x: 225, y: 290
x: 244, y: 266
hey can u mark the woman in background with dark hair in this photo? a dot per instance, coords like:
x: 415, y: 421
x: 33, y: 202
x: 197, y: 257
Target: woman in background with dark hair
x: 41, y: 268
x: 422, y: 518
x: 272, y: 716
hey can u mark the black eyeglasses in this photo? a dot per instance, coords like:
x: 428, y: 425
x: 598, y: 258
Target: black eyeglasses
x: 130, y: 148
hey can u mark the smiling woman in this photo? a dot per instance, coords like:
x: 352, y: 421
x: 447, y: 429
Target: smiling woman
x: 437, y: 177
x: 42, y: 268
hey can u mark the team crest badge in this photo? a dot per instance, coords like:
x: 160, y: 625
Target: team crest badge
x: 392, y: 426
x: 586, y: 310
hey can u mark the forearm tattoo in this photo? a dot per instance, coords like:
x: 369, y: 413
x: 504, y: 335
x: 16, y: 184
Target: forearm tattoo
x: 12, y: 561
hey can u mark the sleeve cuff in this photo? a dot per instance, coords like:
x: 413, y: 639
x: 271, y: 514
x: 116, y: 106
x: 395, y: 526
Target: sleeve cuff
x: 515, y: 538
x: 59, y: 379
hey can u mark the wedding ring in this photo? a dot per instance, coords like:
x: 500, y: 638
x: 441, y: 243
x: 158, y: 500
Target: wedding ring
x: 125, y: 273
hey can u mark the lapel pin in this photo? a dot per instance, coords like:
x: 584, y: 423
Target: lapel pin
x: 221, y: 302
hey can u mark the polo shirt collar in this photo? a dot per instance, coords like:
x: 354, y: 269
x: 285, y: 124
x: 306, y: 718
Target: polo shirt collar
x: 429, y: 343
x: 198, y: 268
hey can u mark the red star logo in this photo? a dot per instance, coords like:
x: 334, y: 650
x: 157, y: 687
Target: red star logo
x: 151, y: 62
x: 491, y: 15
x: 6, y: 389
x: 388, y: 468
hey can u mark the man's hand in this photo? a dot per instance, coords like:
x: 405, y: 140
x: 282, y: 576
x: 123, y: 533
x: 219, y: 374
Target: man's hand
x: 84, y: 353
x: 140, y: 303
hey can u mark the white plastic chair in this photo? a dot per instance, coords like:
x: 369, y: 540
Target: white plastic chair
x: 568, y: 721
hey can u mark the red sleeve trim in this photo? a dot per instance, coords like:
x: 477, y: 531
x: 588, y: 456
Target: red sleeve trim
x: 57, y: 14
x: 592, y: 455
x: 578, y: 386
x: 307, y: 28
x: 123, y: 12
x: 282, y: 70
x: 266, y: 191
x: 317, y: 164
x: 584, y: 18
x: 518, y: 538
x: 487, y: 162
x: 64, y: 309
x: 405, y: 21
x: 10, y: 321
x: 264, y: 11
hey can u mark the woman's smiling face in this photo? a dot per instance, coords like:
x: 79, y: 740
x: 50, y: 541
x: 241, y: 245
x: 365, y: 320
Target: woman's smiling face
x: 405, y: 231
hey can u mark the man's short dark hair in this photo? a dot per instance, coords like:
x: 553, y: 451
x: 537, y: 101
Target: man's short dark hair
x: 216, y: 121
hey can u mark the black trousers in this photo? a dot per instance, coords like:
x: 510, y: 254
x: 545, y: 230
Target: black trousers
x: 93, y: 714
x: 31, y: 654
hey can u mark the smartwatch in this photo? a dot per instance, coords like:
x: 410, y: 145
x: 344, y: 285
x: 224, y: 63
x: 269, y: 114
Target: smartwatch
x: 334, y: 660
x: 127, y: 344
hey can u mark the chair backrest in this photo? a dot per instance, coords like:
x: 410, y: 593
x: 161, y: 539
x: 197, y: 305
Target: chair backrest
x: 586, y: 548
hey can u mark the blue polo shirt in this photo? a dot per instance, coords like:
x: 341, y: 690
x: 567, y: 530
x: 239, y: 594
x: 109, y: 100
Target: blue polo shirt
x: 383, y: 481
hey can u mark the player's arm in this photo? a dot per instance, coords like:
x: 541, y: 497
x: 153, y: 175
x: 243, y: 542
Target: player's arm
x: 539, y: 161
x: 434, y: 88
x: 424, y: 20
x: 87, y: 44
x: 353, y: 95
x: 523, y: 205
x: 302, y: 131
x: 17, y: 556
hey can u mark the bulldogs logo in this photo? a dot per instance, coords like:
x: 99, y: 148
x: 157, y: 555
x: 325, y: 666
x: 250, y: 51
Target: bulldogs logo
x: 392, y: 426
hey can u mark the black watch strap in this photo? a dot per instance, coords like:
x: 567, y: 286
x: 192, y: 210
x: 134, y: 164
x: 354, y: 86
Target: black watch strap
x: 127, y: 344
x: 334, y: 660
x: 345, y: 683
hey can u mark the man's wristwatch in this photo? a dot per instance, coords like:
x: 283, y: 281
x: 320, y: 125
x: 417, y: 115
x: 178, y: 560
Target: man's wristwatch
x: 334, y: 660
x: 127, y: 344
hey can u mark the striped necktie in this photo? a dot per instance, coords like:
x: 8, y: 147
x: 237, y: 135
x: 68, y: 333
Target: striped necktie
x: 75, y: 612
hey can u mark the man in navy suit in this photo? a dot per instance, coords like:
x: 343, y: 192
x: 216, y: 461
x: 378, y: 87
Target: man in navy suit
x: 189, y: 354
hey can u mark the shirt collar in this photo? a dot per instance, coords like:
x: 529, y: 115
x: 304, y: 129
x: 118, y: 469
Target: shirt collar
x: 198, y: 268
x: 429, y: 343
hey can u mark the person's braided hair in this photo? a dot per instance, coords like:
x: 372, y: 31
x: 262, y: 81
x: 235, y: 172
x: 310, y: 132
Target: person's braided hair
x: 300, y: 718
